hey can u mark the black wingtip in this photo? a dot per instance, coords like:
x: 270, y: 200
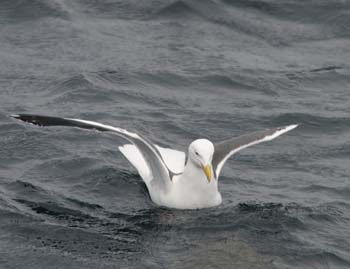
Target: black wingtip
x: 23, y: 117
x: 33, y: 119
x: 41, y: 120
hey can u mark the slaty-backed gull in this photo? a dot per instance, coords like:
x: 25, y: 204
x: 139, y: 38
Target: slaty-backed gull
x: 170, y: 179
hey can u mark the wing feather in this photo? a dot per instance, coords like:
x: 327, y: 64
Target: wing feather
x: 161, y: 175
x: 227, y: 148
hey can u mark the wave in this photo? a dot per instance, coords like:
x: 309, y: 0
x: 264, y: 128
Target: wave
x: 314, y: 123
x: 79, y: 88
x: 177, y: 10
x: 118, y: 9
x: 275, y: 30
x: 55, y: 210
x: 21, y: 10
x: 320, y: 259
x: 338, y: 191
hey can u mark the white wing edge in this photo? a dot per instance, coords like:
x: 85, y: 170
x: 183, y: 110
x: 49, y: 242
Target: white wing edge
x: 264, y: 139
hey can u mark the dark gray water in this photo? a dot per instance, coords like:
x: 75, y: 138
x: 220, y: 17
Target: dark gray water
x: 175, y: 71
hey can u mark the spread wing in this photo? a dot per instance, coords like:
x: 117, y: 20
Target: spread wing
x: 161, y: 174
x: 227, y: 148
x: 174, y: 160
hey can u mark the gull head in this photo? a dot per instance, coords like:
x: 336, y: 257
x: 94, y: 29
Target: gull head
x: 200, y: 152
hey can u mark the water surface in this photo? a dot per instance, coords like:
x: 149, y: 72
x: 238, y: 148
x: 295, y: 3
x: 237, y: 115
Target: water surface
x: 175, y: 71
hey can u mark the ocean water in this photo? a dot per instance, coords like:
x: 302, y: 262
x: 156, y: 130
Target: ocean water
x: 175, y: 71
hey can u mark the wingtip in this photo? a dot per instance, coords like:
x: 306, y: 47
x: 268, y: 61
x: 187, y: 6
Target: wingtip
x: 15, y: 116
x: 291, y: 127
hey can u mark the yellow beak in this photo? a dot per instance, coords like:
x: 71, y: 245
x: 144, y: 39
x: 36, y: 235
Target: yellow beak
x: 207, y: 171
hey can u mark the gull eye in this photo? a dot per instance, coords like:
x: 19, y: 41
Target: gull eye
x: 196, y: 153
